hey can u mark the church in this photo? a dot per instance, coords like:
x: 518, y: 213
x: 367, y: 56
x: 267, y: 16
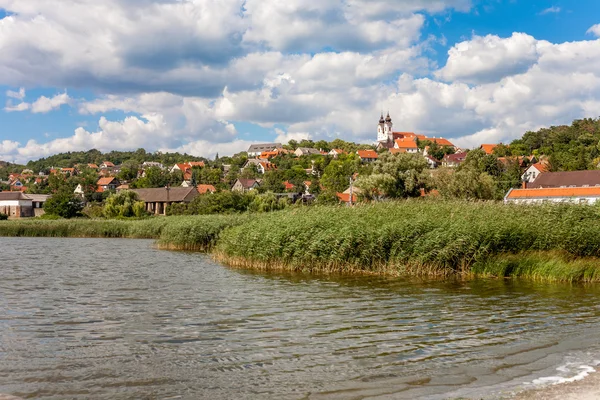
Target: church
x: 402, y: 141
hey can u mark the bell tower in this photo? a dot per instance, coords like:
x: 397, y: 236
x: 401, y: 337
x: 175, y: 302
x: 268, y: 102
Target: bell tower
x: 388, y: 128
x: 381, y: 130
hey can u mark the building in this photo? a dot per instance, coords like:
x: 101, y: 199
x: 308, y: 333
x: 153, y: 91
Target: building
x: 533, y: 172
x: 580, y: 195
x: 16, y: 205
x: 367, y: 155
x: 306, y: 151
x: 387, y: 138
x: 108, y: 183
x: 432, y: 162
x: 245, y: 185
x: 454, y: 160
x: 488, y: 148
x: 37, y: 202
x: 566, y: 179
x: 406, y: 145
x: 203, y: 189
x: 256, y: 150
x: 262, y: 166
x: 336, y: 152
x: 157, y: 200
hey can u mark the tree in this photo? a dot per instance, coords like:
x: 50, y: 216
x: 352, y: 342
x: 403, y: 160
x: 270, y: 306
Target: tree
x: 124, y: 204
x: 396, y: 176
x: 64, y: 204
x: 466, y: 183
x: 336, y: 177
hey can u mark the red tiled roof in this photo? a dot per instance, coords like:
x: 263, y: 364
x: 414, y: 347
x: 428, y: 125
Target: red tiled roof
x: 196, y: 164
x: 406, y: 144
x: 488, y: 148
x: 541, y: 167
x: 105, y: 181
x: 440, y: 141
x: 593, y: 191
x: 108, y: 164
x: 345, y: 197
x: 202, y: 189
x: 367, y: 154
x: 94, y: 166
x: 288, y: 185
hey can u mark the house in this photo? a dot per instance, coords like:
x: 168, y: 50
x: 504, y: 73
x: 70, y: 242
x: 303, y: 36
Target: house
x: 306, y: 151
x: 432, y: 162
x: 488, y: 148
x: 566, y: 179
x: 108, y: 183
x: 262, y: 166
x: 37, y: 202
x: 107, y: 165
x: 245, y: 185
x: 203, y: 189
x: 256, y: 150
x: 124, y: 186
x: 70, y: 171
x: 157, y: 200
x: 92, y: 166
x: 267, y: 155
x: 345, y: 197
x: 336, y: 152
x: 367, y: 155
x: 439, y: 141
x: 454, y: 160
x: 580, y: 195
x: 406, y: 145
x: 148, y: 164
x: 533, y: 172
x: 16, y: 205
x: 79, y: 191
x: 17, y: 185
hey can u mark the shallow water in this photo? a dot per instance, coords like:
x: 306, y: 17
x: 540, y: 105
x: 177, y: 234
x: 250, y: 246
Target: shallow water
x: 117, y: 319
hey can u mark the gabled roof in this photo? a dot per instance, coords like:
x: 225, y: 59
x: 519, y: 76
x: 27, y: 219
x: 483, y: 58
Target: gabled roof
x: 567, y: 179
x: 108, y: 164
x: 7, y: 196
x: 440, y: 141
x: 161, y: 195
x: 247, y: 183
x: 488, y: 148
x: 308, y: 150
x: 93, y: 166
x: 196, y: 164
x: 406, y: 144
x: 554, y: 193
x: 260, y: 147
x: 288, y: 185
x: 202, y: 189
x: 367, y: 154
x: 107, y: 181
x: 345, y: 197
x: 540, y: 167
x: 456, y: 158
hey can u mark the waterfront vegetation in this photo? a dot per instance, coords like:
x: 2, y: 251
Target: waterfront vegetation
x: 417, y: 237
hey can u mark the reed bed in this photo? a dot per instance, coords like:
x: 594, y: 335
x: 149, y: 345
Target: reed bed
x: 422, y: 238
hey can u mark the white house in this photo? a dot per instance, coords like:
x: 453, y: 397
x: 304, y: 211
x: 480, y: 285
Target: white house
x: 256, y: 150
x: 306, y: 151
x: 533, y: 172
x: 16, y: 204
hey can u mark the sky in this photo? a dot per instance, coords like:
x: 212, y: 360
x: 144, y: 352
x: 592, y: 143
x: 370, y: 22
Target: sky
x: 212, y: 76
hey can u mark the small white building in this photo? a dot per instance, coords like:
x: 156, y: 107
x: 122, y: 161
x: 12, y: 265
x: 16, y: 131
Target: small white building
x: 579, y: 195
x: 306, y: 151
x: 16, y: 205
x: 533, y: 172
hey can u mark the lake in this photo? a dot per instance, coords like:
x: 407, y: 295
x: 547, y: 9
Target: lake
x: 119, y: 319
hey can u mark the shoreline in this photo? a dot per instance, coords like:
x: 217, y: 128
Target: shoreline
x: 587, y: 388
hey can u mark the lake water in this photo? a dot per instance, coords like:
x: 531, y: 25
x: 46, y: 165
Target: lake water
x: 118, y: 319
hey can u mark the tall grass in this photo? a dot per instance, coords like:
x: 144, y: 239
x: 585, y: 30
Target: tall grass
x: 431, y: 238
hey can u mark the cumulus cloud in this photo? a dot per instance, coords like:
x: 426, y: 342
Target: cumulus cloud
x: 20, y: 95
x: 490, y: 58
x: 594, y: 30
x: 10, y: 107
x: 45, y: 104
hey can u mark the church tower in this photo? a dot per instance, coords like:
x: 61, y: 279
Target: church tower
x: 388, y: 128
x: 381, y: 133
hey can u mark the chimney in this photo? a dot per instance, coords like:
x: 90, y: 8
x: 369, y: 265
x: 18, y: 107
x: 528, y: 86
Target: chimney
x: 524, y: 184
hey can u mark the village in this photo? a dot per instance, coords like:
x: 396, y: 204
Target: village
x: 306, y: 165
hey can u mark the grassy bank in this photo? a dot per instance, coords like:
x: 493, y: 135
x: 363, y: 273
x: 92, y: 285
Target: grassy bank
x: 557, y: 242
x: 198, y: 233
x: 419, y: 238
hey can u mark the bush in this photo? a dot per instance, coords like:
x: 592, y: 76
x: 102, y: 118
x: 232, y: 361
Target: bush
x: 124, y: 204
x: 63, y: 204
x: 3, y: 217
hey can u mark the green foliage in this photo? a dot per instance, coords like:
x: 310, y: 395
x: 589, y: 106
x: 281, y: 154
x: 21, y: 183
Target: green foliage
x: 267, y: 202
x: 124, y: 204
x: 395, y: 176
x: 64, y: 204
x: 411, y: 237
x: 3, y: 217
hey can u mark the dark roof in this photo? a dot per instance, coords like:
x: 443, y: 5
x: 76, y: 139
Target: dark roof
x: 13, y: 196
x: 162, y: 195
x: 457, y: 157
x: 260, y: 147
x: 566, y: 179
x: 247, y: 183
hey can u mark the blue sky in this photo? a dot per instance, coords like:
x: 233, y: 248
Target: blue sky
x: 204, y: 78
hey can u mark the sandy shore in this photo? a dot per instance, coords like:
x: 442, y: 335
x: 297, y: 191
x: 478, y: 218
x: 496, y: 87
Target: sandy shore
x: 586, y: 389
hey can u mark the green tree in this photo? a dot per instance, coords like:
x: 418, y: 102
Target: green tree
x: 64, y: 204
x: 124, y: 204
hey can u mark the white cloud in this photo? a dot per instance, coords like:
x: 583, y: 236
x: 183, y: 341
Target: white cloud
x: 19, y: 107
x: 551, y: 10
x: 20, y: 95
x: 45, y: 104
x: 594, y: 30
x: 490, y: 58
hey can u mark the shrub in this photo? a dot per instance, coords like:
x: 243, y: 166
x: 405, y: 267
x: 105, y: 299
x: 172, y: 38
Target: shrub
x: 3, y: 217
